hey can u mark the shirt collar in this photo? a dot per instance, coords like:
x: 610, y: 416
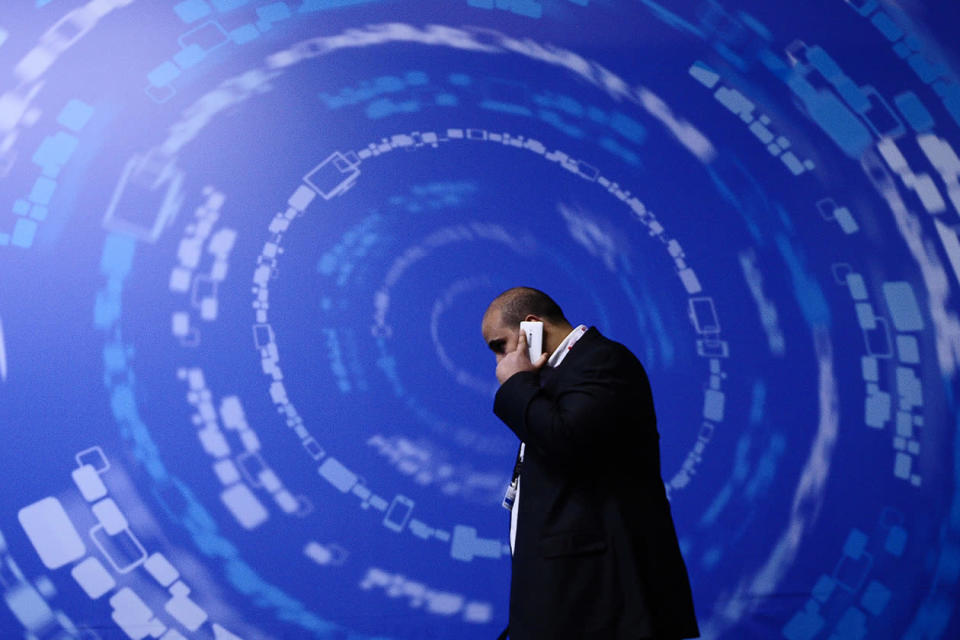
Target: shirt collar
x: 561, y: 351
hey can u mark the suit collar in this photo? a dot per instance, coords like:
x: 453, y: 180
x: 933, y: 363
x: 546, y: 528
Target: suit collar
x: 583, y: 345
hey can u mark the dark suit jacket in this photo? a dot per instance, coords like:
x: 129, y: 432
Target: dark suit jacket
x: 596, y: 555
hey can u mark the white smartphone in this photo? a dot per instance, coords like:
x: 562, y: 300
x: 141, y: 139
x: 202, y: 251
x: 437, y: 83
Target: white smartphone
x: 534, y: 332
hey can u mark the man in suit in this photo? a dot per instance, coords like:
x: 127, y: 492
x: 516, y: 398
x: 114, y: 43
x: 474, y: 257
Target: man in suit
x: 595, y: 554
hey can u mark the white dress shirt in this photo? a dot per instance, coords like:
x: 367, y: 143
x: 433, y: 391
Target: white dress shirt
x: 555, y: 359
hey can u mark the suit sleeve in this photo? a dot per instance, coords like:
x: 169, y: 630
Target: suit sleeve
x: 586, y: 416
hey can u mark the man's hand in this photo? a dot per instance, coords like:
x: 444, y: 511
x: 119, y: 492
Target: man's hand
x: 519, y: 360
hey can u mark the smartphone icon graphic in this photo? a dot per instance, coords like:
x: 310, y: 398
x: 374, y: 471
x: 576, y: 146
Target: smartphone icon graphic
x: 398, y: 514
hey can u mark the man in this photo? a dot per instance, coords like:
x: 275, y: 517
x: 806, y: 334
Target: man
x: 595, y: 554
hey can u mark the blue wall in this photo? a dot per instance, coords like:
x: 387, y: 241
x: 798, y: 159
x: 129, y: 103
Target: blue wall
x: 245, y: 247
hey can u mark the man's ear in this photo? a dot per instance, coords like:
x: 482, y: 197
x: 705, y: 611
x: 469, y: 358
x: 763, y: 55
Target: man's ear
x: 532, y: 318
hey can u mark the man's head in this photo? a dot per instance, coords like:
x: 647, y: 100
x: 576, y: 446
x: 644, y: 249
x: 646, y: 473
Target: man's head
x: 501, y: 322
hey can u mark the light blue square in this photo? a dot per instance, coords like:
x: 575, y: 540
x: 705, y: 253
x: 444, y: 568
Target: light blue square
x: 117, y: 258
x: 274, y: 12
x: 164, y: 74
x: 904, y: 309
x: 852, y: 624
x: 855, y: 544
x: 43, y: 190
x: 192, y: 10
x: 228, y: 5
x: 909, y: 349
x: 896, y: 541
x: 914, y: 111
x: 39, y: 212
x: 55, y: 149
x: 75, y: 115
x: 823, y: 588
x: 804, y: 625
x: 189, y: 56
x: 875, y: 598
x: 926, y: 70
x: 24, y: 232
x: 21, y: 207
x: 28, y: 606
x: 527, y: 8
x: 416, y: 78
x: 244, y: 34
x: 886, y: 26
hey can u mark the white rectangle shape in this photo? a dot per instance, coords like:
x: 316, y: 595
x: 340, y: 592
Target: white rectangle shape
x: 399, y: 513
x: 302, y: 197
x: 179, y: 590
x: 902, y: 303
x: 269, y: 480
x: 928, y: 193
x: 846, y: 220
x: 337, y: 474
x: 857, y: 286
x: 690, y: 281
x: 186, y: 612
x: 180, y: 323
x: 213, y: 441
x: 226, y: 471
x: 534, y: 336
x: 208, y: 309
x: 891, y: 153
x: 231, y: 412
x: 88, y: 481
x: 251, y: 442
x: 951, y: 244
x: 160, y: 568
x: 93, y: 577
x: 131, y: 612
x: 124, y: 551
x: 865, y: 315
x: 195, y: 378
x: 28, y: 606
x: 110, y: 516
x: 278, y: 393
x: 51, y: 532
x: 901, y: 466
x: 286, y: 501
x: 246, y: 509
x: 908, y: 348
x: 180, y: 280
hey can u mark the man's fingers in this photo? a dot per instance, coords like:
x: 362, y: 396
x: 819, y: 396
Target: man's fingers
x: 522, y: 340
x: 542, y: 360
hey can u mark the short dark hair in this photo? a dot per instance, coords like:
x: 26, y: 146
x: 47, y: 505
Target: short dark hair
x: 517, y: 303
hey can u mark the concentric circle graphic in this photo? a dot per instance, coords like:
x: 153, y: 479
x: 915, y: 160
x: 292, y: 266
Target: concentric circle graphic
x: 247, y: 246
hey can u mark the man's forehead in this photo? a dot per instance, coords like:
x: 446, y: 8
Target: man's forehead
x: 492, y: 322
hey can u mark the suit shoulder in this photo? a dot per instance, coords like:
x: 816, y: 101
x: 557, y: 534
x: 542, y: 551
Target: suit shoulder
x: 603, y: 347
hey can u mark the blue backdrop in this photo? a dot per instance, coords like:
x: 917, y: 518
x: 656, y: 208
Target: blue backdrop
x: 246, y: 246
